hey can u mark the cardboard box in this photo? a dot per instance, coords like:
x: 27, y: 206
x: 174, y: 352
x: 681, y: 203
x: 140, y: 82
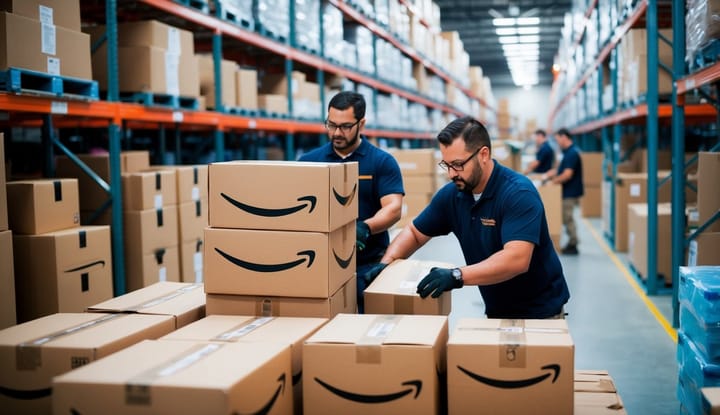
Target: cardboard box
x: 419, y: 184
x: 63, y: 13
x: 313, y: 196
x: 149, y: 189
x: 169, y: 377
x: 591, y: 202
x: 711, y: 400
x: 44, y: 205
x: 7, y: 281
x: 68, y: 51
x: 277, y: 84
x: 592, y: 168
x: 206, y: 72
x: 632, y: 188
x: 412, y: 205
x: 529, y: 367
x: 34, y: 352
x: 708, y: 197
x: 192, y: 182
x: 637, y: 239
x: 185, y: 302
x: 416, y: 162
x: 247, y: 91
x: 193, y: 218
x: 273, y: 103
x: 640, y: 159
x: 191, y: 261
x: 150, y: 229
x: 394, y: 362
x: 704, y: 249
x: 394, y: 290
x: 93, y: 196
x: 300, y: 264
x: 3, y: 191
x: 62, y: 271
x: 595, y: 394
x: 144, y: 269
x: 288, y: 330
x: 551, y: 196
x: 343, y: 300
x: 156, y: 34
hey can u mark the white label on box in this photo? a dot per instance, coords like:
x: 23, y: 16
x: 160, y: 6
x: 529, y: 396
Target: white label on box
x: 162, y: 274
x: 58, y: 107
x: 46, y: 14
x: 195, y: 193
x: 47, y: 36
x: 172, y: 75
x: 635, y: 190
x: 294, y: 87
x: 174, y: 41
x: 252, y: 124
x: 694, y: 216
x: 692, y: 253
x: 158, y: 202
x: 178, y: 116
x: 198, y: 265
x: 53, y: 65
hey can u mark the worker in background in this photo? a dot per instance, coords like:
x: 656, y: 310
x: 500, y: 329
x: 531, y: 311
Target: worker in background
x: 381, y: 188
x: 499, y: 220
x: 569, y: 174
x: 544, y: 155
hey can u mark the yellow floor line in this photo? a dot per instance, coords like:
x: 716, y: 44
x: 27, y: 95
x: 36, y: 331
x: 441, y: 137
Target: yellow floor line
x: 633, y: 283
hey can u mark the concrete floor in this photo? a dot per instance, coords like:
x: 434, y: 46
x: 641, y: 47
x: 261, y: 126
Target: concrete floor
x: 613, y: 324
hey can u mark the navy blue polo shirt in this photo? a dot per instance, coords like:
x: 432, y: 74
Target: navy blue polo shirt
x: 571, y: 160
x: 546, y: 158
x: 379, y: 175
x: 509, y: 209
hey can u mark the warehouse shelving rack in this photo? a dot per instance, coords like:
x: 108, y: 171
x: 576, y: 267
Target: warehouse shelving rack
x: 116, y: 116
x: 649, y: 113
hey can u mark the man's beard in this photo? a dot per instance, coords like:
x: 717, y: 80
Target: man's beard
x: 345, y: 143
x: 467, y: 186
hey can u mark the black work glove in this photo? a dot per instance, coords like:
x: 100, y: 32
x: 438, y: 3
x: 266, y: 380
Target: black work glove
x: 438, y: 281
x: 362, y: 233
x: 372, y: 273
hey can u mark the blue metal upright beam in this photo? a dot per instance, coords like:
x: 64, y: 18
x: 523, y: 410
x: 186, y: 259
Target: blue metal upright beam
x: 615, y: 145
x: 652, y: 143
x: 217, y: 73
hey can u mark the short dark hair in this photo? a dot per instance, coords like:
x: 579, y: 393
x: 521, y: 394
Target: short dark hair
x: 469, y: 129
x: 565, y: 132
x: 346, y: 99
x: 541, y: 132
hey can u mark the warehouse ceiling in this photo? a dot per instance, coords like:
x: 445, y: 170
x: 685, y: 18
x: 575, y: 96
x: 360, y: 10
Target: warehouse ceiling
x: 473, y: 19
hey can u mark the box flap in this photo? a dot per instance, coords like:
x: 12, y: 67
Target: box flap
x: 381, y: 329
x: 160, y: 298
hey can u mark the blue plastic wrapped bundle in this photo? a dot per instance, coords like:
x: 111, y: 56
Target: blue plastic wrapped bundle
x: 706, y: 336
x: 699, y: 291
x: 694, y: 373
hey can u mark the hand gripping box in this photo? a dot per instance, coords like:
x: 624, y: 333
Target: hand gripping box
x: 32, y: 353
x: 185, y: 302
x: 375, y: 364
x: 174, y: 377
x: 289, y: 330
x: 394, y: 290
x: 276, y: 263
x: 510, y: 367
x: 283, y: 195
x: 45, y: 205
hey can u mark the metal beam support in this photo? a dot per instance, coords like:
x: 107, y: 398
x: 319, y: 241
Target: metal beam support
x: 652, y: 144
x: 118, y: 239
x: 217, y: 73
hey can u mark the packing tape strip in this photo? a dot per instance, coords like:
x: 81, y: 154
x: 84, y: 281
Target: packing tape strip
x: 164, y: 298
x: 512, y: 351
x: 368, y: 347
x: 243, y: 329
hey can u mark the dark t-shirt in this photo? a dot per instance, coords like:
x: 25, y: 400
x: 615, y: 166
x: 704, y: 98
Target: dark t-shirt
x: 571, y: 160
x: 509, y: 209
x: 546, y: 158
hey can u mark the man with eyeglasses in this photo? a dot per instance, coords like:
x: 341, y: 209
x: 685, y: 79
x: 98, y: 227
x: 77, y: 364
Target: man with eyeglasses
x: 381, y: 188
x: 499, y: 220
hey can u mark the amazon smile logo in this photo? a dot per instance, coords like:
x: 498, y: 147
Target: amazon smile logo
x: 345, y: 200
x: 86, y: 266
x: 411, y: 385
x: 27, y: 395
x: 269, y: 405
x: 344, y: 263
x: 306, y: 201
x: 514, y: 384
x: 308, y: 256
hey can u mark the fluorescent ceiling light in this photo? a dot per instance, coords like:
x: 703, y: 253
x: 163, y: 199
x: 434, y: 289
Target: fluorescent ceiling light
x: 507, y: 21
x: 528, y: 21
x: 520, y: 53
x: 505, y: 31
x: 528, y: 30
x: 508, y: 40
x: 529, y: 39
x: 526, y: 47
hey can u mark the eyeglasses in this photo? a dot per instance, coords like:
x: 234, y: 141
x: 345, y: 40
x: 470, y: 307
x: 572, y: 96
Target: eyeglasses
x: 344, y: 128
x: 458, y: 165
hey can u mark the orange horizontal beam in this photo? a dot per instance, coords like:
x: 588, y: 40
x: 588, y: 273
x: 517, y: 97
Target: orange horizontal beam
x: 695, y: 112
x: 698, y: 79
x: 47, y: 105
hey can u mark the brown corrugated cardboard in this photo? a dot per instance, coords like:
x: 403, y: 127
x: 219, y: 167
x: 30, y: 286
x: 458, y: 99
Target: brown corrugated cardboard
x: 595, y: 394
x: 314, y: 196
x: 206, y: 72
x: 551, y: 196
x: 342, y: 301
x: 592, y: 168
x: 289, y: 330
x: 68, y: 51
x: 416, y: 162
x: 169, y: 377
x: 93, y: 196
x: 62, y: 271
x: 193, y: 218
x: 591, y: 202
x: 192, y: 182
x: 277, y: 263
x: 156, y: 34
x: 34, y: 352
x: 247, y: 91
x: 414, y: 184
x: 147, y: 230
x: 7, y: 281
x: 708, y: 197
x: 191, y: 261
x: 43, y: 205
x: 640, y: 159
x: 711, y: 400
x: 365, y: 363
x: 3, y: 191
x: 63, y: 13
x: 149, y: 189
x: 632, y: 188
x: 528, y: 367
x: 186, y: 302
x: 144, y: 269
x: 276, y: 84
x: 394, y: 290
x: 704, y: 249
x: 412, y: 205
x: 273, y: 103
x: 638, y: 237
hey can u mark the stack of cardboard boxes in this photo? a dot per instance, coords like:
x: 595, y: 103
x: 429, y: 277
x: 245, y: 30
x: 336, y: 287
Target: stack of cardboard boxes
x: 590, y: 203
x: 282, y: 244
x: 419, y: 170
x: 239, y: 85
x: 51, y: 39
x: 273, y: 95
x: 60, y: 266
x: 7, y: 275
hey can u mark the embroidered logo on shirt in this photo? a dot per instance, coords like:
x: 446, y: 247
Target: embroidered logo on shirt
x: 487, y: 222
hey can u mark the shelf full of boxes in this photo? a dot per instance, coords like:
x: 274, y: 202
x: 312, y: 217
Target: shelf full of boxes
x: 606, y: 90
